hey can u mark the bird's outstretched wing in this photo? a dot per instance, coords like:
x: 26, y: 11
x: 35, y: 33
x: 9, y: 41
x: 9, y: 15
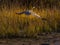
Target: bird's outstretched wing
x: 34, y: 14
x: 20, y: 12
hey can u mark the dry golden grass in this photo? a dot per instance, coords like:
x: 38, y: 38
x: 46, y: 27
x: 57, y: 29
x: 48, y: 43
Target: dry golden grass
x: 13, y: 24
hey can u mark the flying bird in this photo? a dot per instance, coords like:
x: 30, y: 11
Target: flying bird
x: 31, y: 12
x: 28, y: 12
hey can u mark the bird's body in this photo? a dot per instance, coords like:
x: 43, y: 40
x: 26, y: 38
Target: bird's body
x: 27, y: 13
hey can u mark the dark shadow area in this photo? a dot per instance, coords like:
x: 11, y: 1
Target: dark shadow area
x: 44, y: 44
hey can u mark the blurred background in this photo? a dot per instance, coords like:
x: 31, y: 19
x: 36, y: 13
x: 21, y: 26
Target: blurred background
x: 12, y: 24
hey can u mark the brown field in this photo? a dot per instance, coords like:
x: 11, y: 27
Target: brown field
x: 51, y: 40
x: 12, y: 24
x: 29, y: 30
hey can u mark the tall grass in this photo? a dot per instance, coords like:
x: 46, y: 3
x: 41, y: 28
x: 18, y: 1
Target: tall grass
x: 12, y: 24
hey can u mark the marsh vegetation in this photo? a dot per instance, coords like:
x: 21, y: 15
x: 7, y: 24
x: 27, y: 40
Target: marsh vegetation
x: 13, y: 25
